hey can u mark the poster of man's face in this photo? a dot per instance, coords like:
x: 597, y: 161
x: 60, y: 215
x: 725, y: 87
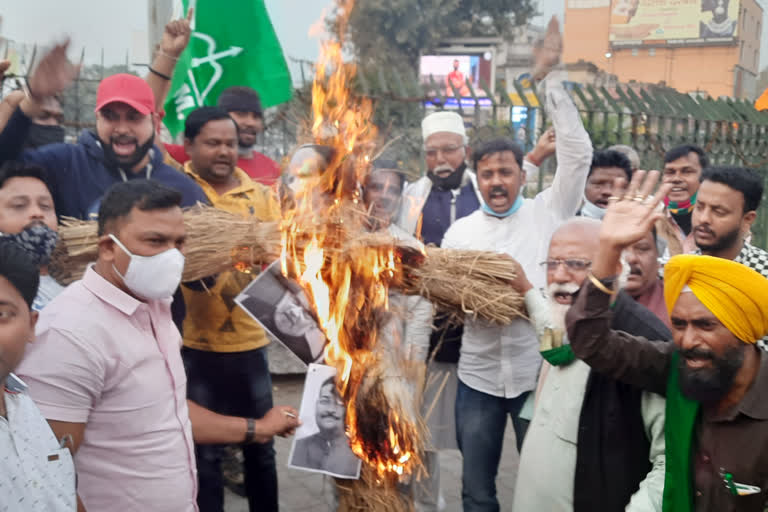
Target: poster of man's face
x: 282, y: 308
x: 321, y: 444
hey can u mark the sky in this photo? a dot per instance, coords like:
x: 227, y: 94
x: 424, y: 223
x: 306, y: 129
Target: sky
x: 114, y: 24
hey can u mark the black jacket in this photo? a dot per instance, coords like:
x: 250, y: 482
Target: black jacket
x: 77, y: 173
x: 612, y: 455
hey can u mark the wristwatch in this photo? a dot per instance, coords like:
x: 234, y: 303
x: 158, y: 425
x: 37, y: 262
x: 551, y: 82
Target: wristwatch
x: 250, y: 432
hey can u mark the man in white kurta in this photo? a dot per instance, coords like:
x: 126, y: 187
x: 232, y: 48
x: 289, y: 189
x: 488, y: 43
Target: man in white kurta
x: 584, y: 421
x: 498, y: 365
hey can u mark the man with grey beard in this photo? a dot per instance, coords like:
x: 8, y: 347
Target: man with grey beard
x: 594, y: 443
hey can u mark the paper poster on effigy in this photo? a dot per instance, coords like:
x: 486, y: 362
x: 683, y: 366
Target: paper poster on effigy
x: 282, y: 308
x: 321, y: 444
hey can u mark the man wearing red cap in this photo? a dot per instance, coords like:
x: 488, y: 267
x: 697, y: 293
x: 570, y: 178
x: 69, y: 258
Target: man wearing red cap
x: 122, y: 148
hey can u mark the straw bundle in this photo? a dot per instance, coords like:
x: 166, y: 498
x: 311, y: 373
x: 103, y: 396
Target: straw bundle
x: 217, y: 241
x: 464, y: 283
x: 474, y: 283
x: 77, y: 247
x: 370, y: 493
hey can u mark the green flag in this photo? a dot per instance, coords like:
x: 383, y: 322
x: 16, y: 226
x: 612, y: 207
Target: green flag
x: 232, y: 43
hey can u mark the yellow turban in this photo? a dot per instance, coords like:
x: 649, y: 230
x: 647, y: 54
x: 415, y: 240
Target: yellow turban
x: 734, y: 293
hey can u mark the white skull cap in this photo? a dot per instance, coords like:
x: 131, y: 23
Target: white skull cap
x: 443, y: 122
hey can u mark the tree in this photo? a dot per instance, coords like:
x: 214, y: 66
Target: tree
x: 394, y: 33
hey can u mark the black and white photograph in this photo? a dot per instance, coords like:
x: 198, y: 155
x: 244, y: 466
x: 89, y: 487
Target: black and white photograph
x: 321, y: 444
x: 281, y: 306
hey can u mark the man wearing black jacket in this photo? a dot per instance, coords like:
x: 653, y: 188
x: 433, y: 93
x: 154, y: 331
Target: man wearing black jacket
x: 608, y: 437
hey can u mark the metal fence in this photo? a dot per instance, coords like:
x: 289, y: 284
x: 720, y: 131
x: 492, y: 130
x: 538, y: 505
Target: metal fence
x: 650, y: 119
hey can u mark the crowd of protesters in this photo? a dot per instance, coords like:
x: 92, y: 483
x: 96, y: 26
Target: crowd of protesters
x: 636, y: 382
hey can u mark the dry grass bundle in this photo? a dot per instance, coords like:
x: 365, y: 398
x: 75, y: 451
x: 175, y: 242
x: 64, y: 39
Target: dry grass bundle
x: 474, y: 283
x: 463, y: 283
x: 77, y: 247
x: 371, y: 494
x: 217, y: 241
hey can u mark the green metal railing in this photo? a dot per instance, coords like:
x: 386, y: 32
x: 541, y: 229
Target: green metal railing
x: 650, y: 119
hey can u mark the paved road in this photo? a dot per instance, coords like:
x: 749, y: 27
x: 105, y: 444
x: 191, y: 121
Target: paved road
x: 302, y: 491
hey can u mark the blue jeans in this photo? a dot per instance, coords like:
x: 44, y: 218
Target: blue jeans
x: 480, y: 423
x: 235, y: 384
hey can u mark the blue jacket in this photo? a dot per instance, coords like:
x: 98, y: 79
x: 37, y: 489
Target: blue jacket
x: 78, y: 174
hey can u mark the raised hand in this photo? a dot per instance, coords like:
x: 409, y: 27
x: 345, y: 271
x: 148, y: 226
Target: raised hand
x: 176, y: 35
x: 547, y: 53
x: 629, y: 218
x: 53, y: 74
x: 545, y: 146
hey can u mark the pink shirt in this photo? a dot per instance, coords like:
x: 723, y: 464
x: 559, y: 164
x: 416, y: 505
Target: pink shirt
x: 112, y: 362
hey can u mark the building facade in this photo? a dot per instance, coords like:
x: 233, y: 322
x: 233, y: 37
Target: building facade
x: 693, y: 46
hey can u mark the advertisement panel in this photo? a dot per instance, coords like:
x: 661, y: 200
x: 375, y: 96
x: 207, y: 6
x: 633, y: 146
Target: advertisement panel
x: 454, y: 71
x: 673, y: 22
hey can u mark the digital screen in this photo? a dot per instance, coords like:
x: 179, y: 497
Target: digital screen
x: 462, y: 73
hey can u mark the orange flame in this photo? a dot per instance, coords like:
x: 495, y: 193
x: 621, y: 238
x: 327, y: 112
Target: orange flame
x: 348, y: 284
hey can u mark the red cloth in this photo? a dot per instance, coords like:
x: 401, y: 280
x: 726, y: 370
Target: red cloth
x: 653, y: 299
x: 260, y: 167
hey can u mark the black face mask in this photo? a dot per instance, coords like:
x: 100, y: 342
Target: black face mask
x: 115, y: 162
x: 37, y: 240
x: 43, y: 134
x: 449, y: 182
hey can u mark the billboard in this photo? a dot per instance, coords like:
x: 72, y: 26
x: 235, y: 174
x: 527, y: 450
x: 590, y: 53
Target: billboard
x: 673, y: 22
x: 449, y: 72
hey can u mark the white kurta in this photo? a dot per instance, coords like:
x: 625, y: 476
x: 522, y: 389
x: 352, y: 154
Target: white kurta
x: 504, y: 361
x: 545, y: 480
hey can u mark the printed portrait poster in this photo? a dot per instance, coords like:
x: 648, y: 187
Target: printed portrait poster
x: 321, y: 444
x: 282, y: 308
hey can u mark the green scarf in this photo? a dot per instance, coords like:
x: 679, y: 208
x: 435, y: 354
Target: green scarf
x: 681, y: 415
x: 559, y: 356
x: 682, y: 207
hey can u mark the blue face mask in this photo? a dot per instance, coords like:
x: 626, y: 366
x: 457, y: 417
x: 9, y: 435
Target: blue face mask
x: 512, y: 209
x: 592, y: 211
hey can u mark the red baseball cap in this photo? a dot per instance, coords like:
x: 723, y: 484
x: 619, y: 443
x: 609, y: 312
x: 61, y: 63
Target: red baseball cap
x: 129, y: 89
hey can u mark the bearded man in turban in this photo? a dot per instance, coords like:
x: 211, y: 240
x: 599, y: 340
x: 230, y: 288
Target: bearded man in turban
x: 713, y: 376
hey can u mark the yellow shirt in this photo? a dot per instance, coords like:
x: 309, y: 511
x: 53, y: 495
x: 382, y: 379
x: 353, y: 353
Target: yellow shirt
x: 213, y: 321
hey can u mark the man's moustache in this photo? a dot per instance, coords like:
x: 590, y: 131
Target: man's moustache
x: 635, y: 271
x: 569, y: 288
x: 35, y: 223
x: 123, y: 139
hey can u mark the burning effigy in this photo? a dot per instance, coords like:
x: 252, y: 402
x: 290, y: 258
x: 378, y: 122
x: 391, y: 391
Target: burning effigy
x: 348, y: 284
x: 349, y: 275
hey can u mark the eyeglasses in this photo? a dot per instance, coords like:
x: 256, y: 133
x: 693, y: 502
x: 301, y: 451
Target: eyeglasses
x: 574, y: 264
x: 446, y: 150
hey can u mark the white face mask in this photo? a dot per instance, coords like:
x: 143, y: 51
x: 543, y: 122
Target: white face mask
x: 152, y: 277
